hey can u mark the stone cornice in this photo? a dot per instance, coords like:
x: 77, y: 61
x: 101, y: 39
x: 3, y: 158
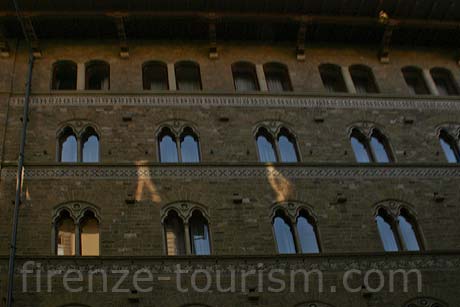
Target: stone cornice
x: 250, y: 100
x: 301, y: 171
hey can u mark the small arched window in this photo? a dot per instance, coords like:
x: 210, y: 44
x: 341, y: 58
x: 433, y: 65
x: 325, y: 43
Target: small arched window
x: 189, y: 147
x: 415, y: 81
x: 175, y: 235
x: 277, y: 77
x: 245, y: 77
x: 90, y: 145
x: 97, y: 75
x: 89, y: 235
x: 284, y: 235
x: 287, y: 146
x: 450, y: 147
x: 188, y: 77
x: 387, y: 232
x: 360, y: 147
x: 380, y: 147
x: 199, y: 234
x: 155, y: 76
x: 444, y: 81
x: 64, y: 76
x: 363, y: 79
x: 65, y: 235
x: 332, y: 78
x: 308, y: 236
x: 68, y: 147
x: 168, y: 146
x: 266, y: 146
x: 398, y: 232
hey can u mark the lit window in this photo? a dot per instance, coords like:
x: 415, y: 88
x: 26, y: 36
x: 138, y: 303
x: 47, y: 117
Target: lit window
x: 65, y: 235
x: 444, y: 81
x: 97, y: 75
x: 277, y: 77
x: 64, y: 76
x: 188, y: 76
x: 175, y: 236
x: 449, y: 146
x: 89, y: 235
x: 415, y: 81
x: 155, y: 76
x: 332, y: 78
x: 363, y: 79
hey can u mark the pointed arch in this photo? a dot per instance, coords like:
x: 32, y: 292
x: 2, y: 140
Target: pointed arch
x: 287, y: 146
x: 167, y: 144
x: 266, y: 146
x: 199, y: 234
x: 308, y: 233
x: 360, y: 146
x: 67, y: 145
x: 284, y: 234
x: 380, y: 146
x: 90, y: 149
x: 189, y: 146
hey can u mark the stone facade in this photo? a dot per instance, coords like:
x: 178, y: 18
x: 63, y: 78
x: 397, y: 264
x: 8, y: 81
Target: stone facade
x: 341, y: 194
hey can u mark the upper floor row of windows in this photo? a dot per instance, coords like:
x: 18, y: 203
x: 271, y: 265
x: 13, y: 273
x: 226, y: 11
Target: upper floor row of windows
x: 272, y: 77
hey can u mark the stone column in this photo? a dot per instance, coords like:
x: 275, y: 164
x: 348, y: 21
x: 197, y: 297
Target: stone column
x: 430, y: 83
x: 261, y: 78
x: 188, y: 243
x: 81, y: 69
x: 172, y: 77
x: 348, y: 80
x: 77, y: 240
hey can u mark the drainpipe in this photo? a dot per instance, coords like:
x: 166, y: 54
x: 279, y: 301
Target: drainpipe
x: 20, y: 170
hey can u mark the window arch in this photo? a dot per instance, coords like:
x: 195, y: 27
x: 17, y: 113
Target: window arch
x: 444, y: 81
x: 155, y: 76
x: 178, y: 146
x: 245, y: 77
x: 398, y: 229
x: 425, y: 302
x: 332, y: 78
x: 415, y: 81
x: 64, y: 75
x: 68, y: 147
x: 284, y: 234
x: 186, y: 230
x: 277, y: 146
x: 83, y: 147
x: 450, y: 147
x: 97, y: 75
x: 188, y: 76
x: 363, y: 79
x: 374, y: 148
x: 277, y: 77
x: 76, y: 231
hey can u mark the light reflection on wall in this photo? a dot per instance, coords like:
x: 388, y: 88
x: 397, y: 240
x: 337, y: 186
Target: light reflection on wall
x: 145, y: 187
x: 280, y: 185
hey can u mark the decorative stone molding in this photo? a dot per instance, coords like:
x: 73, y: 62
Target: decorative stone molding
x: 365, y: 127
x: 76, y: 209
x: 452, y: 128
x: 78, y: 126
x: 177, y: 126
x: 393, y: 207
x: 292, y: 210
x: 185, y: 210
x: 425, y: 302
x: 169, y: 100
x: 273, y: 127
x: 226, y: 172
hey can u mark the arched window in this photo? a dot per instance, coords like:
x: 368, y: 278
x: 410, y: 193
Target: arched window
x: 65, y: 235
x: 363, y: 79
x: 90, y: 145
x: 283, y: 234
x: 199, y: 234
x: 444, y: 81
x: 277, y: 77
x: 89, y: 235
x: 387, y: 232
x: 380, y: 148
x: 97, y: 75
x: 168, y: 146
x: 266, y: 146
x: 360, y: 147
x: 287, y: 146
x: 425, y: 302
x: 68, y: 148
x: 408, y: 231
x: 399, y: 231
x: 155, y: 76
x: 245, y: 77
x: 189, y: 146
x: 188, y: 76
x: 332, y: 78
x: 307, y: 233
x: 175, y: 236
x: 64, y: 76
x: 450, y: 147
x: 415, y: 81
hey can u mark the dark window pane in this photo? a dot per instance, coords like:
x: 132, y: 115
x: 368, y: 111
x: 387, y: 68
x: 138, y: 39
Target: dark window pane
x: 188, y: 77
x: 415, y: 81
x: 284, y: 237
x: 65, y: 245
x: 199, y: 235
x: 266, y: 149
x: 307, y: 234
x: 277, y: 78
x: 65, y: 76
x: 332, y: 78
x: 363, y: 79
x: 97, y: 76
x: 189, y: 149
x: 408, y: 234
x: 444, y: 82
x: 450, y: 148
x: 386, y: 234
x: 168, y: 149
x: 287, y: 149
x: 91, y: 149
x: 175, y: 235
x: 69, y: 149
x: 360, y: 150
x: 379, y: 149
x: 155, y: 76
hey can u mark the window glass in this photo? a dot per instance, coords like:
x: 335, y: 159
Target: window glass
x: 189, y: 148
x: 287, y: 148
x: 188, y: 77
x: 449, y: 147
x: 199, y: 235
x: 69, y: 149
x: 307, y: 234
x: 277, y: 78
x: 414, y: 80
x: 266, y: 149
x: 408, y: 234
x: 168, y: 148
x: 91, y: 149
x: 64, y: 76
x: 284, y: 237
x: 360, y: 150
x: 379, y: 149
x: 155, y: 76
x: 363, y: 79
x: 386, y: 234
x: 97, y: 76
x: 444, y: 82
x: 245, y: 80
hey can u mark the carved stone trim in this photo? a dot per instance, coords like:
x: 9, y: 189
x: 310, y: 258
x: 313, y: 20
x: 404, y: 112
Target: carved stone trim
x: 346, y: 102
x: 184, y: 209
x: 292, y: 210
x: 425, y: 302
x: 77, y: 210
x: 226, y: 172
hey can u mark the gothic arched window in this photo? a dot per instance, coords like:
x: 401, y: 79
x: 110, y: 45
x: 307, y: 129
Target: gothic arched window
x: 284, y: 235
x: 168, y: 146
x: 189, y: 146
x: 388, y: 234
x: 450, y: 147
x: 90, y: 145
x: 89, y: 235
x: 287, y: 146
x: 380, y: 147
x: 308, y: 236
x: 199, y: 234
x: 65, y: 235
x: 175, y: 235
x: 68, y: 146
x: 266, y: 146
x: 360, y: 147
